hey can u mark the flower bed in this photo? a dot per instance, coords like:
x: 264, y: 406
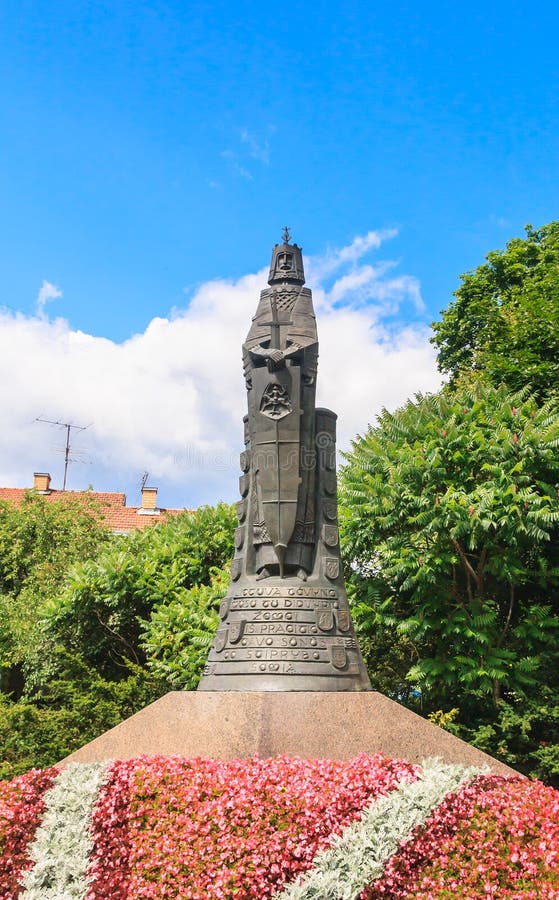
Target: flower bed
x: 21, y: 809
x: 283, y: 828
x: 204, y: 829
x: 496, y: 838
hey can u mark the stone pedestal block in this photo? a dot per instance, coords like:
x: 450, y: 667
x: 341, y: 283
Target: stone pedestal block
x: 230, y: 724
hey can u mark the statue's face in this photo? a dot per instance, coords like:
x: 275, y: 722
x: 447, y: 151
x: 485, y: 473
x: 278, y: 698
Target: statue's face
x: 285, y: 261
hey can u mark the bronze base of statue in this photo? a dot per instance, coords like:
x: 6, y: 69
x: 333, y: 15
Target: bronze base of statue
x: 284, y: 634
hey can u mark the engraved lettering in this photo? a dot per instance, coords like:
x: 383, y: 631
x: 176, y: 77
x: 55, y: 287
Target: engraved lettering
x: 266, y: 616
x: 260, y: 628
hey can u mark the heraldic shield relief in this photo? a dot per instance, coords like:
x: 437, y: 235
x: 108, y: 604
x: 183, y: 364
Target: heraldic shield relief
x: 285, y: 623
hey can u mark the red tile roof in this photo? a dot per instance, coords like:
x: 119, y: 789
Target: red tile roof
x: 128, y: 518
x: 116, y: 515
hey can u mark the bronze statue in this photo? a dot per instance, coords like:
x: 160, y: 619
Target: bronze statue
x: 285, y: 621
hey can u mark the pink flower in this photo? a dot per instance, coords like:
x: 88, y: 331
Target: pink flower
x: 167, y: 829
x: 21, y: 807
x: 221, y: 830
x: 498, y: 837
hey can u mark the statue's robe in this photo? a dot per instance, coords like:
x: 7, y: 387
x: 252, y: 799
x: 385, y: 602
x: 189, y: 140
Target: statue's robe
x: 280, y: 358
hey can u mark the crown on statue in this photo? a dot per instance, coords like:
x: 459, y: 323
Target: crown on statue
x: 287, y: 262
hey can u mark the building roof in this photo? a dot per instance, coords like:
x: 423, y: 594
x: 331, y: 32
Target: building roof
x: 115, y: 514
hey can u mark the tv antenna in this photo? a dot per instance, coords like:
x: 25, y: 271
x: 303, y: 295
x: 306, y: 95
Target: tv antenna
x: 68, y: 426
x: 144, y: 480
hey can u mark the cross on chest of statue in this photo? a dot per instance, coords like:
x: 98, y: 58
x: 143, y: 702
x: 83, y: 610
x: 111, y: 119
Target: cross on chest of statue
x: 278, y: 328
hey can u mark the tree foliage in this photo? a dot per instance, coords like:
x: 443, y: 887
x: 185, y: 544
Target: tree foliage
x: 101, y: 611
x: 524, y: 735
x: 116, y: 622
x: 504, y: 320
x: 39, y: 541
x: 451, y: 519
x: 178, y: 635
x: 76, y: 706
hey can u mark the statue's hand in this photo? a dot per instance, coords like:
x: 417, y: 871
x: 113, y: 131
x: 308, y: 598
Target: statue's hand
x: 275, y: 355
x: 292, y: 349
x: 259, y: 350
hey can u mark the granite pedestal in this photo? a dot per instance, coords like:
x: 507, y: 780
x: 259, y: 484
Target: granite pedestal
x: 230, y: 724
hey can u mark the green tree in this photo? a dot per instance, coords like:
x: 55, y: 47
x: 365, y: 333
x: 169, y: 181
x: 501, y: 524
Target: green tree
x: 524, y: 734
x: 77, y: 705
x: 39, y: 541
x: 450, y: 514
x: 178, y: 635
x: 101, y: 610
x: 112, y: 633
x: 504, y: 320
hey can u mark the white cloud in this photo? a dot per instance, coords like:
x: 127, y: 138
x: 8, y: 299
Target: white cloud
x: 250, y: 149
x: 363, y: 243
x: 47, y: 292
x: 237, y: 166
x: 366, y: 283
x: 325, y: 265
x: 171, y: 400
x: 259, y: 150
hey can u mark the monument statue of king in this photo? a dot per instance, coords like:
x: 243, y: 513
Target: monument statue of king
x: 285, y: 622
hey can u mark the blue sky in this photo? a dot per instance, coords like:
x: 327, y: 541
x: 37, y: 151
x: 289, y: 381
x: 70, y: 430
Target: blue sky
x: 151, y: 150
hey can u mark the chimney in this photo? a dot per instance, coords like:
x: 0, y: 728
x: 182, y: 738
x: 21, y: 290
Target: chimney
x: 41, y: 482
x: 149, y: 501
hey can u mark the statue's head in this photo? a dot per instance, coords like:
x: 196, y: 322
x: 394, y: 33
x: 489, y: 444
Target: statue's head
x: 287, y: 263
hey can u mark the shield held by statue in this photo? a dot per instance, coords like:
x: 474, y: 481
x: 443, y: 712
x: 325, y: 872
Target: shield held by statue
x: 236, y: 568
x: 330, y: 535
x: 276, y: 449
x: 224, y: 608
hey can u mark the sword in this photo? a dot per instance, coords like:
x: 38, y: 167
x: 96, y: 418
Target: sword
x: 275, y: 331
